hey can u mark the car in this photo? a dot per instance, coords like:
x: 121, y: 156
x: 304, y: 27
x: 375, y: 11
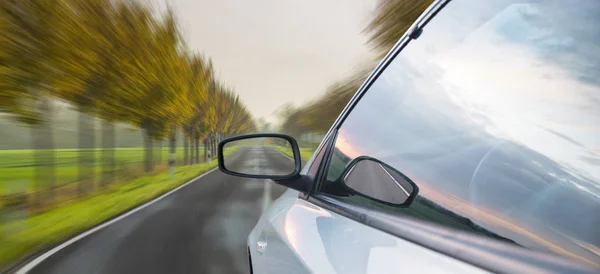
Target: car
x: 473, y: 147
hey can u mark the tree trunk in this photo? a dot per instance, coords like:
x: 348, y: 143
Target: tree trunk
x: 172, y: 150
x: 196, y: 147
x: 108, y: 152
x: 210, y: 147
x: 214, y: 147
x: 86, y: 153
x: 214, y: 154
x: 192, y: 149
x: 159, y: 149
x: 148, y: 165
x: 197, y: 141
x: 185, y: 146
x: 43, y: 144
x: 205, y: 143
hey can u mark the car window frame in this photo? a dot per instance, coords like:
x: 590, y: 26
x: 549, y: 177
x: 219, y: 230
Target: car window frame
x: 473, y: 249
x: 316, y: 161
x: 413, y: 33
x: 331, y: 136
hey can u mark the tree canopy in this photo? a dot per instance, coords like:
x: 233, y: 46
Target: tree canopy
x: 391, y: 20
x: 119, y: 61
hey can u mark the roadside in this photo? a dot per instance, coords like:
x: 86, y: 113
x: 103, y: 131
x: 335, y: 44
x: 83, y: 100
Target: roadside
x: 21, y: 236
x: 305, y: 152
x: 201, y: 227
x: 17, y: 167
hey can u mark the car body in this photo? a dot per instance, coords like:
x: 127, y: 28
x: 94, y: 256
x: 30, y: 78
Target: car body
x: 492, y: 109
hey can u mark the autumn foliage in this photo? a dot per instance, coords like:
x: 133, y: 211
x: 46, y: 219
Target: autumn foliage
x: 391, y: 20
x: 117, y: 61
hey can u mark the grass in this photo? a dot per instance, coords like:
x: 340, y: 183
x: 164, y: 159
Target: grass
x: 20, y: 236
x: 305, y: 152
x: 17, y: 166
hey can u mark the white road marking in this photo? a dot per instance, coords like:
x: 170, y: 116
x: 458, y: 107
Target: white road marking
x: 286, y: 156
x: 399, y: 185
x: 29, y: 266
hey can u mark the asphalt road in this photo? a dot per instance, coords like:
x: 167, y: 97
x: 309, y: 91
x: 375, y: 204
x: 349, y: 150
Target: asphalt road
x: 260, y: 160
x: 201, y: 228
x: 392, y: 188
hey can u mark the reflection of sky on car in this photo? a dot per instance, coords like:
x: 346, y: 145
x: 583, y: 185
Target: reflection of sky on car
x: 519, y: 139
x: 505, y: 90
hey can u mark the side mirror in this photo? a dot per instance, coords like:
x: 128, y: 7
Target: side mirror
x: 375, y: 180
x: 261, y: 156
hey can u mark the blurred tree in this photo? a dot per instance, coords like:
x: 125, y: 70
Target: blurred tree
x: 116, y: 60
x: 110, y: 107
x: 201, y: 73
x: 319, y: 115
x: 90, y: 39
x: 152, y: 82
x: 15, y: 96
x: 392, y: 19
x: 233, y: 116
x: 27, y: 60
x: 262, y: 125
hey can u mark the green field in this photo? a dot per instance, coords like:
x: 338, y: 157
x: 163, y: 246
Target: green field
x: 20, y: 236
x: 305, y: 152
x: 17, y: 167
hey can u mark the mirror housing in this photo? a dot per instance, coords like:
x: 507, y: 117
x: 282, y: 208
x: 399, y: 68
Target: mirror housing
x: 393, y: 187
x: 276, y: 177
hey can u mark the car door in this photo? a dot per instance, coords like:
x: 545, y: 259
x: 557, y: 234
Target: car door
x: 459, y: 111
x: 307, y: 238
x: 275, y: 235
x: 304, y: 237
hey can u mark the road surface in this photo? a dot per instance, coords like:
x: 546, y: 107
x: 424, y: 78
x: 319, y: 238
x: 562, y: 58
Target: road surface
x: 391, y: 187
x: 260, y: 160
x: 201, y: 228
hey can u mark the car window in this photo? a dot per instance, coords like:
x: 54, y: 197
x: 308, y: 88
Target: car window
x: 312, y: 167
x: 494, y: 114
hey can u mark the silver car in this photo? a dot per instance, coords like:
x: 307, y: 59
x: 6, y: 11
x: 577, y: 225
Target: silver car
x: 473, y: 147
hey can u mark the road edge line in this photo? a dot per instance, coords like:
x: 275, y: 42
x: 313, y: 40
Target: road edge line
x: 39, y: 259
x: 287, y: 156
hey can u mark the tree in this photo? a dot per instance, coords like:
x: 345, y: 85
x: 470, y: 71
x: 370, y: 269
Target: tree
x: 152, y: 83
x: 319, y: 115
x: 234, y: 117
x: 231, y: 116
x: 392, y: 19
x: 90, y: 40
x: 200, y: 74
x: 114, y: 60
x: 27, y: 60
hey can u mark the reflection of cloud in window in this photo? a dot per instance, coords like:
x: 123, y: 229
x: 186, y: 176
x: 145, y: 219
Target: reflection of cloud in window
x: 506, y: 226
x: 513, y: 80
x: 435, y: 117
x: 346, y: 146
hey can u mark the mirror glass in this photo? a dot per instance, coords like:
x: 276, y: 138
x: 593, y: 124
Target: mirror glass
x: 261, y: 156
x: 376, y: 180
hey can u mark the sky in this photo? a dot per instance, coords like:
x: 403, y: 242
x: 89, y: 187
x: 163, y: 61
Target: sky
x: 274, y: 52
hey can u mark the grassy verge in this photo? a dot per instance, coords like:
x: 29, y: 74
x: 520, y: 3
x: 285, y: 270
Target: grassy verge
x: 20, y: 236
x: 305, y: 152
x: 17, y: 167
